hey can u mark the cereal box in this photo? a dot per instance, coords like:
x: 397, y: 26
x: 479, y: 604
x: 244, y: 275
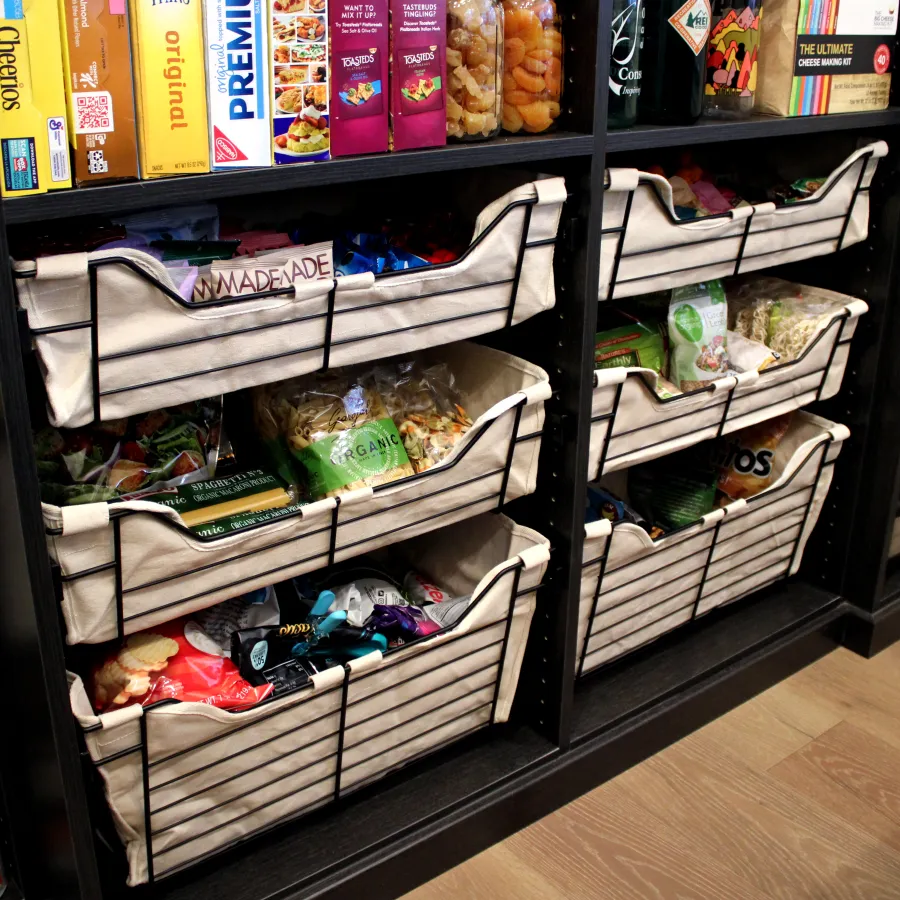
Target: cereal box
x: 237, y: 71
x: 170, y: 86
x: 418, y: 57
x: 359, y: 76
x: 299, y: 41
x: 35, y: 150
x: 97, y: 54
x: 827, y: 56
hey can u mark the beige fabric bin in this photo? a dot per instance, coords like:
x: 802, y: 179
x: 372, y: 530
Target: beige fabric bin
x: 164, y: 571
x: 645, y: 247
x: 216, y: 777
x: 630, y: 424
x: 634, y: 589
x: 154, y: 351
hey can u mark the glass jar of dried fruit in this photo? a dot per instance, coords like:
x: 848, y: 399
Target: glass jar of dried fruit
x: 474, y: 69
x: 532, y: 77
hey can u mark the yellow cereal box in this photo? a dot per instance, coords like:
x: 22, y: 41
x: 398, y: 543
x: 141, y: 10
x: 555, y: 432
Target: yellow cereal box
x: 33, y: 140
x: 170, y: 86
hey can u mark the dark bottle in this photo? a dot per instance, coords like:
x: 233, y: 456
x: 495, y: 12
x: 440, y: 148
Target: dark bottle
x: 625, y: 62
x: 674, y: 61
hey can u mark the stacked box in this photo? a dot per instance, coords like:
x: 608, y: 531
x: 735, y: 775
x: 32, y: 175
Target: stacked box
x: 300, y: 81
x: 237, y: 71
x: 170, y: 86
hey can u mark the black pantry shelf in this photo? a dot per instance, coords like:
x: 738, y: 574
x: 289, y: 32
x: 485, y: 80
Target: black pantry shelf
x: 646, y: 137
x: 118, y: 198
x: 428, y: 817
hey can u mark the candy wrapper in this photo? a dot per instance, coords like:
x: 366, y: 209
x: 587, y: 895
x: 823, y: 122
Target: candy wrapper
x: 174, y: 661
x: 116, y: 459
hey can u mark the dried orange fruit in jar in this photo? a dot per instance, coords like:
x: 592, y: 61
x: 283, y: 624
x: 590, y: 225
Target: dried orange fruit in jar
x: 532, y: 65
x: 474, y: 69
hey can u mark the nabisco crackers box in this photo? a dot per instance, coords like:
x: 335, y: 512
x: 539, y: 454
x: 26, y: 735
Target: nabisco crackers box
x: 237, y: 75
x: 99, y: 91
x: 300, y: 80
x: 418, y: 63
x: 360, y: 46
x: 35, y: 150
x: 170, y: 86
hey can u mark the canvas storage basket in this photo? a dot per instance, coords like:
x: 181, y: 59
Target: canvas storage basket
x: 630, y: 424
x: 154, y: 349
x: 645, y: 247
x: 127, y: 566
x: 216, y: 777
x: 634, y: 589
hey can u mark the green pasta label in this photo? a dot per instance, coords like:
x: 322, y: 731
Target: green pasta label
x: 353, y: 455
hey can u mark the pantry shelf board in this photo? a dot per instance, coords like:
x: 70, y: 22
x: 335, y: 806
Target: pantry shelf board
x: 118, y: 198
x: 380, y: 842
x: 646, y: 137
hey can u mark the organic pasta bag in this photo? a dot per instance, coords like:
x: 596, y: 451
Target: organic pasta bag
x: 746, y: 459
x: 698, y: 325
x: 336, y: 429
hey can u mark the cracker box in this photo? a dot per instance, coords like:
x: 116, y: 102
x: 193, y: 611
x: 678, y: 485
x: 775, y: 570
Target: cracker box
x: 418, y: 64
x: 237, y: 74
x: 360, y: 46
x: 99, y: 91
x: 170, y: 86
x: 300, y: 81
x: 825, y: 56
x: 35, y: 149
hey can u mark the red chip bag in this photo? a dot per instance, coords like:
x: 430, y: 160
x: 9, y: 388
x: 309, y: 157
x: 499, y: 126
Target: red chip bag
x: 174, y: 661
x: 747, y: 457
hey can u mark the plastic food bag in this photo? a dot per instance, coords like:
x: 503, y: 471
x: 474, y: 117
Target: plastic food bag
x: 698, y: 324
x: 746, y: 459
x: 171, y: 661
x: 117, y: 459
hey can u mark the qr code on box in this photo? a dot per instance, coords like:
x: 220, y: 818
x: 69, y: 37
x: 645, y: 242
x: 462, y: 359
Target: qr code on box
x: 93, y: 112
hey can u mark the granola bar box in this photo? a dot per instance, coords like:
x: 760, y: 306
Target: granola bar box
x: 170, y: 86
x: 301, y: 124
x: 418, y: 66
x: 360, y: 47
x: 237, y: 74
x: 99, y: 91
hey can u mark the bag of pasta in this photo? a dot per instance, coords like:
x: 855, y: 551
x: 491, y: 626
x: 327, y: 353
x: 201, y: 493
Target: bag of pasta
x: 336, y: 428
x: 425, y: 405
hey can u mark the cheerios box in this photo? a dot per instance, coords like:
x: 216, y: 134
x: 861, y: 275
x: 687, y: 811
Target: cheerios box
x: 237, y: 78
x: 33, y: 141
x: 300, y: 81
x: 99, y: 90
x: 170, y: 86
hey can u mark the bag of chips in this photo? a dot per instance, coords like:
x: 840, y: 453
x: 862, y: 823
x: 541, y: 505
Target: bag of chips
x: 746, y: 459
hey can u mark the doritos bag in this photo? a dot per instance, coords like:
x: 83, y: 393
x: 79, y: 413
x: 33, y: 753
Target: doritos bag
x: 747, y: 458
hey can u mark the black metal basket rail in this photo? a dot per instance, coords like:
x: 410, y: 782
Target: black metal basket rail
x: 839, y: 322
x: 492, y: 673
x: 738, y: 260
x: 118, y: 514
x: 696, y: 594
x: 93, y: 323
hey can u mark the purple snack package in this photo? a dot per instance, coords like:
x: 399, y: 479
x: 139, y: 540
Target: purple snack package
x: 400, y: 624
x: 418, y: 66
x: 359, y: 77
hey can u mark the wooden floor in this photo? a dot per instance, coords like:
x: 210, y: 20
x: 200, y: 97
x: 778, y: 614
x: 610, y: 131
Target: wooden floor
x: 795, y: 794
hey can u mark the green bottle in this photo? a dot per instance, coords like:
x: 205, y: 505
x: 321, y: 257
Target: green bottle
x: 625, y: 62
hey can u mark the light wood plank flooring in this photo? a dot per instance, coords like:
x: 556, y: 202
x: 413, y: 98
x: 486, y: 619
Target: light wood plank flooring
x: 795, y: 794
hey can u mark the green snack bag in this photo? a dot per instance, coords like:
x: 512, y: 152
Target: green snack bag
x: 698, y: 328
x: 634, y: 344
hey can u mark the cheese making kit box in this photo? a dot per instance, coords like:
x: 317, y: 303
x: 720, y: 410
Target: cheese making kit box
x: 35, y: 149
x: 237, y: 74
x: 825, y: 56
x: 170, y: 86
x: 97, y: 54
x: 300, y: 81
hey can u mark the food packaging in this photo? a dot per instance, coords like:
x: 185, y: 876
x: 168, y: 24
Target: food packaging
x: 633, y: 344
x: 360, y: 46
x: 237, y: 70
x: 300, y: 81
x: 418, y: 64
x: 698, y: 335
x: 33, y: 125
x: 170, y: 87
x: 747, y: 460
x: 831, y: 57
